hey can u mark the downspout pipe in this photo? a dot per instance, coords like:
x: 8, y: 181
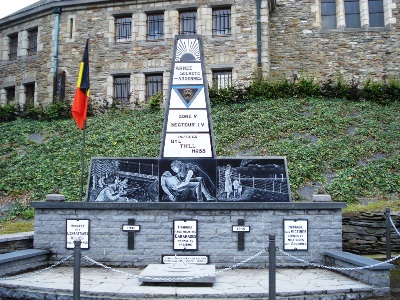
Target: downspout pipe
x: 259, y: 63
x: 57, y: 13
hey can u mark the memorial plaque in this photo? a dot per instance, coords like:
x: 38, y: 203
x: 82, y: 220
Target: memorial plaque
x: 253, y: 179
x: 123, y: 180
x: 188, y: 121
x: 185, y: 259
x: 187, y: 180
x: 77, y: 230
x: 187, y: 145
x: 185, y: 234
x: 295, y: 234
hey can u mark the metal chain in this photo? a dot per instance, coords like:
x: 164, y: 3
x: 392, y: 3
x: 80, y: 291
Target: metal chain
x: 242, y: 262
x: 337, y: 268
x: 37, y: 272
x: 394, y: 226
x: 174, y: 279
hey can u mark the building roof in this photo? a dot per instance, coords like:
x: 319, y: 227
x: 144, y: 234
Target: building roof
x: 37, y: 4
x: 42, y: 6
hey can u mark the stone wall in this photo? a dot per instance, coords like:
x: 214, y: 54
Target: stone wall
x: 365, y: 233
x: 29, y: 69
x: 109, y: 244
x: 292, y: 42
x: 298, y: 45
x: 136, y: 58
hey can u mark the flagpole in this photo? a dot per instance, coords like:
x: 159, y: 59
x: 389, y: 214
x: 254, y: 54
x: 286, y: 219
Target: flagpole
x: 83, y: 161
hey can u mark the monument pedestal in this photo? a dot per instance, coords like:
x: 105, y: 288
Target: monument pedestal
x: 178, y: 273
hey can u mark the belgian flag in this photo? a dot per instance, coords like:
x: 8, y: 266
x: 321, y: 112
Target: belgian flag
x: 81, y: 98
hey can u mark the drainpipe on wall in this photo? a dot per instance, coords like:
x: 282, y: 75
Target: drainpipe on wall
x: 259, y: 63
x: 57, y: 13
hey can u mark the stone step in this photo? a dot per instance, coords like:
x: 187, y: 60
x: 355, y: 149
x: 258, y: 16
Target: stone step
x: 22, y: 261
x: 16, y: 241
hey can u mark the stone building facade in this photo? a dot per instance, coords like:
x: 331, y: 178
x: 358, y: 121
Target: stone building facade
x: 131, y: 44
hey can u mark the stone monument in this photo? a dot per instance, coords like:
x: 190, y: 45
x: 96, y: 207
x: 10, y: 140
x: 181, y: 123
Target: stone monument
x: 187, y: 212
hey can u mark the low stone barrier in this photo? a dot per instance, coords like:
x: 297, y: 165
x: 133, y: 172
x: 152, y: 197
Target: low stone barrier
x: 365, y: 233
x: 109, y: 244
x: 378, y: 276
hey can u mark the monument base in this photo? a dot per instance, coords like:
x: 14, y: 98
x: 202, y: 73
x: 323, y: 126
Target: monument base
x: 170, y: 274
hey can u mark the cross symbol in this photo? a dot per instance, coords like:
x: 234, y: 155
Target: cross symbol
x: 240, y: 229
x: 131, y: 228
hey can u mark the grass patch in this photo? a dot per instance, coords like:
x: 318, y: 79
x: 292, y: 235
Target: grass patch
x: 379, y: 206
x: 15, y: 226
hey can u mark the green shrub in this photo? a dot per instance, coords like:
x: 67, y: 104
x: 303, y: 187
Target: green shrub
x: 222, y: 95
x: 338, y: 89
x: 392, y: 90
x: 28, y: 213
x: 57, y: 110
x: 30, y: 111
x: 8, y: 112
x: 307, y: 87
x: 20, y: 210
x: 155, y: 101
x: 374, y: 91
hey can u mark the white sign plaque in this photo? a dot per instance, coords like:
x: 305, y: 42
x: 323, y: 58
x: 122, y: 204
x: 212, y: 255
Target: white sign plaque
x: 186, y: 259
x: 236, y: 228
x: 77, y: 230
x: 187, y: 73
x: 296, y: 234
x: 187, y: 145
x: 187, y: 121
x: 130, y: 227
x: 185, y: 234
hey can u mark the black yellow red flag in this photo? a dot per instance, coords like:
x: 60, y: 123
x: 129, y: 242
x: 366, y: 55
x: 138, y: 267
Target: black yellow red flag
x: 81, y: 98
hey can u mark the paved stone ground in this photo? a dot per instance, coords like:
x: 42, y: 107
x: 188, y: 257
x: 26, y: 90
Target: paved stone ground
x: 99, y: 283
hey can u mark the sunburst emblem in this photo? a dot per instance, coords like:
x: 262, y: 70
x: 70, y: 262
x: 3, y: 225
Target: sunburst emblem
x: 187, y: 50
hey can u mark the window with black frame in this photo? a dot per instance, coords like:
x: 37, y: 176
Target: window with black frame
x: 155, y: 26
x: 32, y: 41
x: 222, y: 79
x: 222, y: 21
x: 13, y: 46
x: 10, y: 93
x: 154, y: 84
x: 376, y: 13
x: 352, y: 13
x: 123, y: 29
x: 122, y: 86
x: 188, y: 22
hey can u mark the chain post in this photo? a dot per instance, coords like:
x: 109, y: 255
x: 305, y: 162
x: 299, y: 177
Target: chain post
x: 272, y: 267
x: 388, y: 237
x: 77, y: 270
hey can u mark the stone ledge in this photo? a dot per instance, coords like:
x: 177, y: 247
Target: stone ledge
x: 22, y: 261
x: 21, y: 254
x: 358, y: 260
x: 190, y: 205
x: 16, y: 236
